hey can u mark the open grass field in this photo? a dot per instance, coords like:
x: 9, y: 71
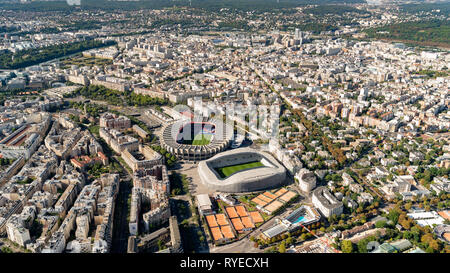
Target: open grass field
x: 229, y: 170
x: 199, y: 139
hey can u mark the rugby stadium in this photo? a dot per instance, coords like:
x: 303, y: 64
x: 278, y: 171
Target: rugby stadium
x: 241, y: 170
x: 196, y: 140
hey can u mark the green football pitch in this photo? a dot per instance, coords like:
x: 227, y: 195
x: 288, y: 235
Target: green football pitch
x: 229, y: 170
x: 199, y: 139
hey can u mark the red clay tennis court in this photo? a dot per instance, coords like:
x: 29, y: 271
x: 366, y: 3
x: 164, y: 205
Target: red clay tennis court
x: 270, y: 195
x: 259, y: 201
x: 227, y: 232
x: 265, y: 198
x: 221, y: 219
x: 273, y: 206
x: 288, y: 196
x: 237, y: 224
x: 211, y: 221
x: 256, y: 217
x: 281, y: 192
x: 231, y: 212
x: 241, y: 211
x: 217, y: 235
x: 247, y: 221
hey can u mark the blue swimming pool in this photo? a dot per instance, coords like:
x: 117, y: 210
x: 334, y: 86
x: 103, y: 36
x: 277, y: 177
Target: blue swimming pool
x: 299, y: 220
x: 297, y: 216
x: 301, y: 216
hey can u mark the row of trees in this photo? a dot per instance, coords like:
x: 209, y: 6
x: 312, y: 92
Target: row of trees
x: 432, y: 73
x: 170, y: 158
x: 115, y: 97
x: 6, y: 161
x: 210, y: 5
x: 289, y: 238
x: 98, y: 169
x: 178, y: 183
x: 353, y: 217
x: 324, y: 10
x: 425, y: 7
x: 421, y: 236
x: 28, y: 57
x: 144, y: 100
x: 426, y: 176
x: 92, y: 109
x: 62, y: 6
x: 98, y: 92
x: 316, y: 132
x: 6, y: 249
x: 314, y: 27
x: 10, y: 94
x: 427, y: 32
x: 361, y: 246
x: 64, y: 26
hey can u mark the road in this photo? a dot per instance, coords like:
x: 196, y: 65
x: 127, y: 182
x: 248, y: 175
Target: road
x: 120, y: 221
x: 241, y: 246
x: 191, y: 232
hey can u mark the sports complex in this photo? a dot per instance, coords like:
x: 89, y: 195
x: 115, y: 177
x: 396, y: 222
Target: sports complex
x: 196, y: 140
x: 196, y: 133
x: 303, y: 216
x: 241, y: 170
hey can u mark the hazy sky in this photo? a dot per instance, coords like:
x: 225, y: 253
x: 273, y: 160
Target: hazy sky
x: 73, y: 2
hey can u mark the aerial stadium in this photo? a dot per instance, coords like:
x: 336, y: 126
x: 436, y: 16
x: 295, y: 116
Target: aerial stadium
x: 196, y: 140
x: 241, y: 170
